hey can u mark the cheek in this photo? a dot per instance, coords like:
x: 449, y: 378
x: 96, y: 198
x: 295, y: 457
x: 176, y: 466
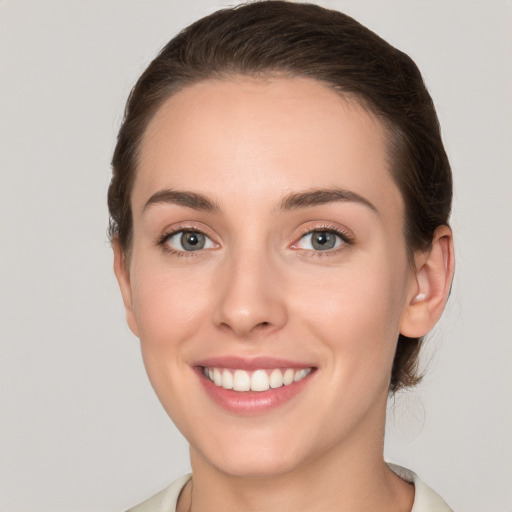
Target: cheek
x: 170, y: 308
x: 356, y: 311
x: 166, y: 302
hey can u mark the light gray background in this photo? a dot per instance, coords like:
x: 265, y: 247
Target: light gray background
x: 80, y: 428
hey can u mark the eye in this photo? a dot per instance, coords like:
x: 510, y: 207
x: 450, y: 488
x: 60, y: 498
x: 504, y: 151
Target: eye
x: 188, y: 241
x: 320, y: 240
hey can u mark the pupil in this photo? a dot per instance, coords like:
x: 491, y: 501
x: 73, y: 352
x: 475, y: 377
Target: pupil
x: 192, y: 241
x: 323, y: 240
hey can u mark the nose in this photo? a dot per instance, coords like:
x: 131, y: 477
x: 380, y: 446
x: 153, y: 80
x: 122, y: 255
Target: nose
x: 251, y: 299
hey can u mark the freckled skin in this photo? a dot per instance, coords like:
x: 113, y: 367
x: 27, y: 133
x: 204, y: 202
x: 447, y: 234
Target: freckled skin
x: 259, y: 289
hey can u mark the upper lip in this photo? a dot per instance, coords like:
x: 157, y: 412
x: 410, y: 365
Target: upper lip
x: 250, y: 364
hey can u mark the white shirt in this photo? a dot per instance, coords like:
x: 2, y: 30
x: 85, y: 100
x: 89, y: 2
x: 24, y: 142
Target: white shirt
x: 425, y: 499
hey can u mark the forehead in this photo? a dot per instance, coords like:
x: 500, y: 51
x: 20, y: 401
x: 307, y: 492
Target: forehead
x: 259, y: 137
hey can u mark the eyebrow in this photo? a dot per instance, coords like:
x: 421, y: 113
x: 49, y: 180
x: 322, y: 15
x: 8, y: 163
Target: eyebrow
x: 318, y: 197
x: 294, y: 201
x: 189, y: 199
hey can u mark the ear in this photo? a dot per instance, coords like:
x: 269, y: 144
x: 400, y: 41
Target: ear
x: 123, y: 278
x: 429, y: 291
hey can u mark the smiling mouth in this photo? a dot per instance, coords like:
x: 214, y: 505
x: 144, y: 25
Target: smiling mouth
x: 257, y: 380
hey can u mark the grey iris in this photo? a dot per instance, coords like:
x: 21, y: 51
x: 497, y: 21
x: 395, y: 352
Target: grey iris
x: 192, y: 241
x: 323, y: 240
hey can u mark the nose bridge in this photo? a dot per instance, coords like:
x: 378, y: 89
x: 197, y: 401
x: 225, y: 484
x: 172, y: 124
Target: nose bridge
x: 250, y: 299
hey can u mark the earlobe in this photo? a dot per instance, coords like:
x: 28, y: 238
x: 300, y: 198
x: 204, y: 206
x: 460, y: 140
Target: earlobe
x: 123, y: 278
x: 430, y: 290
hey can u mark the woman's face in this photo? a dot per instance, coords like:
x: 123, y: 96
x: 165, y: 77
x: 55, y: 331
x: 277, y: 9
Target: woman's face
x: 268, y: 247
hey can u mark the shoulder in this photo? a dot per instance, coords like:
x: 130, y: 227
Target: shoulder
x: 425, y: 499
x: 165, y: 500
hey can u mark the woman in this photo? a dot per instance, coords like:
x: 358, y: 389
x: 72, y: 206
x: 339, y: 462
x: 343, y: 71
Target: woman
x: 279, y: 217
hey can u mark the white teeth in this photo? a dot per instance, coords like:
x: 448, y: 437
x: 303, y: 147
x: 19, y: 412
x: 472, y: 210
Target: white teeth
x: 227, y: 379
x: 241, y: 381
x: 259, y: 380
x: 288, y: 376
x: 276, y: 379
x: 299, y: 375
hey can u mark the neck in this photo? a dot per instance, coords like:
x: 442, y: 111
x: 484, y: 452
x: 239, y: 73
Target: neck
x: 351, y: 476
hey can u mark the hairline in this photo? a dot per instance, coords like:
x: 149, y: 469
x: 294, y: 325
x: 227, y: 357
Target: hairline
x: 392, y: 132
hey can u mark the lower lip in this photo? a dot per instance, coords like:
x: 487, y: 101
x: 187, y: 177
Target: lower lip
x: 252, y: 402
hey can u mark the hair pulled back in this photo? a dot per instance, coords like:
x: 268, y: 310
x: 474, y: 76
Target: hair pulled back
x: 269, y: 38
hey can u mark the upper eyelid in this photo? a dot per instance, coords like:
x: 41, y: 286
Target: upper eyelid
x: 341, y: 231
x: 164, y: 243
x: 188, y: 227
x: 344, y: 239
x: 346, y: 242
x: 183, y: 231
x: 185, y: 227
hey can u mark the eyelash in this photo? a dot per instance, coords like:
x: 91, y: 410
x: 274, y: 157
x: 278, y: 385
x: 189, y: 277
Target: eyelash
x: 162, y: 241
x: 346, y: 238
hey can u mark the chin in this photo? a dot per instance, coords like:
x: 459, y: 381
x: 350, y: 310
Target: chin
x: 262, y: 465
x: 250, y: 456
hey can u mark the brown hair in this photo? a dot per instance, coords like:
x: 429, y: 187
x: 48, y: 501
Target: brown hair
x: 267, y: 38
